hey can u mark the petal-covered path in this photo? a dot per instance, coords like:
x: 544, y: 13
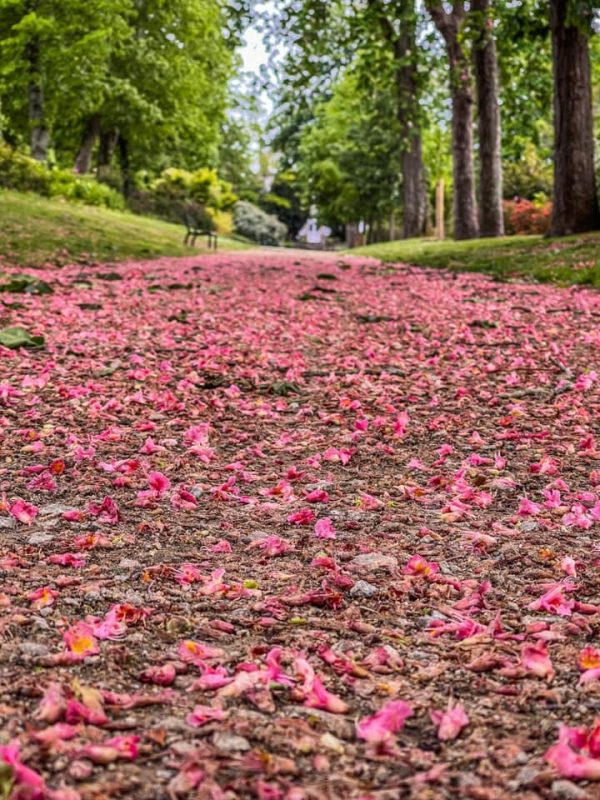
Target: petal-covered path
x: 280, y: 527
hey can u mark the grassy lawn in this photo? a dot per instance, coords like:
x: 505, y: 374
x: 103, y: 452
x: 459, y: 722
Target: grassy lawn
x: 36, y: 231
x: 574, y: 259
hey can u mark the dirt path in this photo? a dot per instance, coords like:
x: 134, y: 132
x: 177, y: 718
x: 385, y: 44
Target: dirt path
x: 287, y: 527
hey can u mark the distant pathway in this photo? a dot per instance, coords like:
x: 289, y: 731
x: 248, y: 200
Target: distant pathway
x: 299, y: 526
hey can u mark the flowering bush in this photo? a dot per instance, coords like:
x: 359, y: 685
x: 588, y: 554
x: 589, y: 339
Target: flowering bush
x: 254, y: 223
x: 522, y: 217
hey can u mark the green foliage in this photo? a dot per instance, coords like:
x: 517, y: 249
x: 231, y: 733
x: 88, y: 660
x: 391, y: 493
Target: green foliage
x: 178, y: 194
x: 256, y: 225
x: 156, y: 71
x: 350, y: 155
x: 22, y: 173
x: 529, y: 176
x: 285, y: 203
x: 202, y: 186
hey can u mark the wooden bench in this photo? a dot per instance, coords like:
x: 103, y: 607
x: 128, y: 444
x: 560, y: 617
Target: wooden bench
x: 195, y: 229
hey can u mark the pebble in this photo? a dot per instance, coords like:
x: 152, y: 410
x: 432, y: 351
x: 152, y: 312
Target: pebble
x: 230, y: 742
x: 363, y: 589
x: 375, y: 561
x: 40, y: 538
x: 172, y: 723
x: 8, y: 522
x: 566, y: 790
x: 54, y: 510
x: 129, y: 563
x: 33, y: 649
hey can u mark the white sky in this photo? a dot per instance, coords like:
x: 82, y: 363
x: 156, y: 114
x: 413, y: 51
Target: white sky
x: 254, y: 52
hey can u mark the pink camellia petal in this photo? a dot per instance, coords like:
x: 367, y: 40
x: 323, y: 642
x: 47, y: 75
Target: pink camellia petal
x: 202, y: 715
x: 23, y: 782
x: 161, y: 676
x: 123, y: 748
x: 535, y: 659
x: 81, y: 641
x: 573, y: 765
x: 419, y: 566
x: 383, y: 726
x: 52, y: 705
x: 23, y: 512
x: 450, y: 723
x: 324, y: 529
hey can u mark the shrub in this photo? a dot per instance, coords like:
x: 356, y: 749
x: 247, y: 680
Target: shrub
x: 528, y: 176
x: 255, y: 224
x: 84, y: 190
x: 24, y: 174
x: 202, y: 186
x: 178, y: 192
x: 523, y: 217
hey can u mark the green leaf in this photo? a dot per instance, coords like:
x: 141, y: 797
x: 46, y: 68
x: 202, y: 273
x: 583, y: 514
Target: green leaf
x: 20, y: 283
x: 14, y: 338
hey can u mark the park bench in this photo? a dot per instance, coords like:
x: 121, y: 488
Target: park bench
x: 195, y: 228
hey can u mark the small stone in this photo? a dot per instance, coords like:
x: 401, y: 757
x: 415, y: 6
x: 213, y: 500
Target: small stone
x: 331, y: 742
x: 172, y: 723
x: 129, y: 563
x: 566, y: 790
x: 230, y: 742
x: 527, y: 776
x: 55, y: 510
x: 8, y: 523
x: 40, y: 538
x: 363, y: 589
x: 528, y: 526
x: 33, y: 649
x: 134, y: 598
x: 374, y: 561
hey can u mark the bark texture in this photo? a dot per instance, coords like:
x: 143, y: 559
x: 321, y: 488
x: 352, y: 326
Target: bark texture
x: 125, y: 166
x: 39, y: 135
x: 91, y: 131
x: 413, y: 171
x: 400, y: 32
x: 575, y: 206
x: 461, y: 91
x: 491, y: 217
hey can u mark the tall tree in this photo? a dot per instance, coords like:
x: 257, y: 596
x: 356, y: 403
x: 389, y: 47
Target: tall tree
x: 398, y: 22
x: 450, y: 25
x: 491, y: 217
x: 575, y: 207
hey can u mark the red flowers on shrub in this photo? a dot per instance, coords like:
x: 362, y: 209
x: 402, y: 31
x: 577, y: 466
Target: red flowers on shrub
x: 522, y: 217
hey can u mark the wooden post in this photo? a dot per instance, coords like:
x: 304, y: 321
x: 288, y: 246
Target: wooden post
x: 439, y: 210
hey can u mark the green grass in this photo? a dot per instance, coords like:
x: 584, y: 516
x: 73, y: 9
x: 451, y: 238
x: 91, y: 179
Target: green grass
x: 36, y: 231
x: 572, y: 260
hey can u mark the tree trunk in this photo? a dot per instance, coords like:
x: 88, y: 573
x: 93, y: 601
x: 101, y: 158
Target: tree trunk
x: 491, y: 216
x: 465, y: 207
x: 38, y: 130
x: 91, y: 131
x: 125, y: 166
x: 575, y: 207
x: 413, y: 173
x: 415, y: 198
x: 400, y: 33
x: 106, y: 150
